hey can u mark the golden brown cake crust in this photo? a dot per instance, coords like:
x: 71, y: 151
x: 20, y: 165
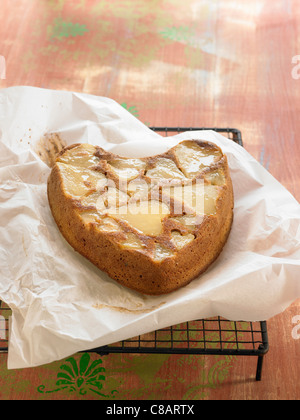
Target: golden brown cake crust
x: 150, y: 264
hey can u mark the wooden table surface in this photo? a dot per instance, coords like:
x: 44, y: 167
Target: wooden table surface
x: 192, y: 63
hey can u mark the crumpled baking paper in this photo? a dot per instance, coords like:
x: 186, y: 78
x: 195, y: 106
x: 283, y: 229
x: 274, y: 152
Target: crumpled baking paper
x: 61, y: 303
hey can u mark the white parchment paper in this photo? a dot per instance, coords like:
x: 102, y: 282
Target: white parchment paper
x: 61, y: 303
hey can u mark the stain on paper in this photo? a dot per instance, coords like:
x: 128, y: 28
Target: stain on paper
x: 127, y: 310
x: 48, y: 148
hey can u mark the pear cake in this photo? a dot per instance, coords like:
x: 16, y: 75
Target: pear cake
x: 152, y: 224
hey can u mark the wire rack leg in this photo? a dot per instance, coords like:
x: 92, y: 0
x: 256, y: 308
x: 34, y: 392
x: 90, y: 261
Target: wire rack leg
x: 260, y: 360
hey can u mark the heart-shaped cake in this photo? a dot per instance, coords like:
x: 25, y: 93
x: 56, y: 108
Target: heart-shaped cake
x: 152, y: 224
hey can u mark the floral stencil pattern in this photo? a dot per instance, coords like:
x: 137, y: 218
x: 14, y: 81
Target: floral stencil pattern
x: 79, y: 377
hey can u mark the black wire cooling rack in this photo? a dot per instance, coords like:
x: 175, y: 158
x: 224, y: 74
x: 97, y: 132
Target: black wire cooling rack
x: 231, y: 133
x: 212, y: 336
